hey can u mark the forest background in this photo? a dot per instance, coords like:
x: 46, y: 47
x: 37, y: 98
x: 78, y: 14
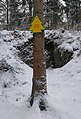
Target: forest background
x: 17, y: 14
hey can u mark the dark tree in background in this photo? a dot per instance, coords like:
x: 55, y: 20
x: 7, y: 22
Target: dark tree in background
x: 73, y: 11
x: 13, y: 14
x: 2, y: 14
x: 53, y: 13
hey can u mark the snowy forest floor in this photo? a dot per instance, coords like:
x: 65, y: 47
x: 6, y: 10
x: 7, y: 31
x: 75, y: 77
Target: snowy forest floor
x: 64, y: 88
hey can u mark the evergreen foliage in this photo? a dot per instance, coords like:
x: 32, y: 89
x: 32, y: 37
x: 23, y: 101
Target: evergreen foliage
x: 72, y: 10
x: 17, y: 14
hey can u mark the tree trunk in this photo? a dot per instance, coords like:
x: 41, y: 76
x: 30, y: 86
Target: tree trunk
x: 47, y: 14
x: 13, y: 14
x: 39, y: 87
x: 7, y: 14
x: 30, y: 10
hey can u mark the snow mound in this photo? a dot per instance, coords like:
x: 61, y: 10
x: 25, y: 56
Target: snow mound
x: 64, y: 90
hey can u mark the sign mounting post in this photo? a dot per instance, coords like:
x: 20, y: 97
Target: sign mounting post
x: 39, y: 84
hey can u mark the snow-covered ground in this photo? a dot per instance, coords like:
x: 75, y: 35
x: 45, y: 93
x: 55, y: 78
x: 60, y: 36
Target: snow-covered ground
x: 64, y: 87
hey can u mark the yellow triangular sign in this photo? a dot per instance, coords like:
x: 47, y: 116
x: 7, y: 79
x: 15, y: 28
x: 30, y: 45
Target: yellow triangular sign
x: 37, y: 26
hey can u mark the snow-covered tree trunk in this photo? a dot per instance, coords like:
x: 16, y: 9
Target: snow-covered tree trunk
x: 39, y: 87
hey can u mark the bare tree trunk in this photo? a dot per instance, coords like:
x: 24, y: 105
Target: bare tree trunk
x: 7, y: 14
x: 13, y: 14
x: 30, y: 10
x: 47, y: 1
x: 39, y: 87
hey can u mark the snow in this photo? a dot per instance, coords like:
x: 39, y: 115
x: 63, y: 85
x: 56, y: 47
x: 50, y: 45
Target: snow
x: 66, y: 46
x: 65, y: 89
x: 64, y: 84
x: 68, y: 40
x: 62, y: 2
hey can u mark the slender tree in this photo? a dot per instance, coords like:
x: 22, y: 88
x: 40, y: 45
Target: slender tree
x: 39, y: 86
x: 2, y: 14
x: 30, y: 10
x: 7, y: 13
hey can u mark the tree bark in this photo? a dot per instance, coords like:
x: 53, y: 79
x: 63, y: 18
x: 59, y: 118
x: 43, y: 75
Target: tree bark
x: 30, y: 10
x: 7, y: 14
x: 39, y: 87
